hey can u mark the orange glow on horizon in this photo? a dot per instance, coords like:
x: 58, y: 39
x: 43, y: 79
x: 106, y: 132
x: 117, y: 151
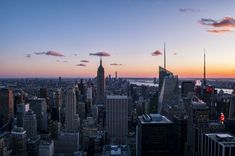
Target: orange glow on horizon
x: 133, y: 71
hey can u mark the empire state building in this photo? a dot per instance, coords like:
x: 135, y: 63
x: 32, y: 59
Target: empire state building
x: 100, y: 84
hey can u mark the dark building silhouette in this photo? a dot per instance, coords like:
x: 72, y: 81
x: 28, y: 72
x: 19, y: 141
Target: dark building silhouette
x: 230, y: 126
x: 180, y: 133
x: 43, y: 93
x: 155, y: 136
x: 197, y: 125
x: 6, y: 106
x: 19, y: 138
x: 187, y: 87
x: 100, y: 84
x: 56, y: 105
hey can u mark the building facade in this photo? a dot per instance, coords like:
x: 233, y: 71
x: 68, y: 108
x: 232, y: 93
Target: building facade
x: 154, y: 136
x: 117, y: 119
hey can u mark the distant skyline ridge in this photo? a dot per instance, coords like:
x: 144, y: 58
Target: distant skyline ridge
x: 37, y: 40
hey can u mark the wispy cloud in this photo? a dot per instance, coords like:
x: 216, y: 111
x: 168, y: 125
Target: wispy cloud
x: 156, y: 53
x: 100, y: 54
x: 65, y: 61
x: 57, y: 60
x: 217, y: 31
x: 226, y: 22
x: 224, y: 25
x: 28, y: 55
x: 115, y: 64
x: 84, y: 61
x: 50, y: 53
x: 185, y: 10
x: 81, y: 65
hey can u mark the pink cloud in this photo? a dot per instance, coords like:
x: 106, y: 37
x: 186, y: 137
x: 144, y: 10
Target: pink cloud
x: 54, y: 53
x: 226, y: 22
x: 219, y: 30
x: 81, y: 65
x: 84, y: 61
x: 156, y: 53
x: 50, y: 53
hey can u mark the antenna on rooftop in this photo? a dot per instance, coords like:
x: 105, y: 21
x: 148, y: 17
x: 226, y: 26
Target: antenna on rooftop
x: 164, y: 56
x: 204, y: 73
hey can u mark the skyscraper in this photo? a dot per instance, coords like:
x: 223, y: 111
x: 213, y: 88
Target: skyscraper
x: 67, y: 143
x: 30, y: 124
x: 218, y: 144
x: 21, y: 110
x: 19, y: 139
x: 39, y: 106
x: 162, y: 74
x: 46, y: 148
x: 154, y: 136
x: 71, y: 118
x: 56, y: 103
x: 100, y: 84
x: 197, y: 124
x: 6, y: 106
x: 180, y: 133
x: 169, y: 94
x: 187, y: 87
x: 117, y: 119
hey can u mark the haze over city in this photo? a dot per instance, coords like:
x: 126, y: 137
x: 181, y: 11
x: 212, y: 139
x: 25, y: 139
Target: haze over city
x: 55, y: 38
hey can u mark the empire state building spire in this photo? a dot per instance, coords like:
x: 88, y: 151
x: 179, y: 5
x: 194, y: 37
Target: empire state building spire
x: 100, y: 60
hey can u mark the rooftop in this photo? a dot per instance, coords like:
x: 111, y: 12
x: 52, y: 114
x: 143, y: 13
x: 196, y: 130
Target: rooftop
x: 117, y: 97
x: 224, y: 139
x: 153, y: 119
x: 116, y: 150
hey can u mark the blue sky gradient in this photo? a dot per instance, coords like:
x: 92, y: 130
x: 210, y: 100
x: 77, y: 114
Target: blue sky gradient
x: 130, y: 30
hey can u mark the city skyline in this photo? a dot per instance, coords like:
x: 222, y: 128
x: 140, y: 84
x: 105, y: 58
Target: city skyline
x: 58, y: 38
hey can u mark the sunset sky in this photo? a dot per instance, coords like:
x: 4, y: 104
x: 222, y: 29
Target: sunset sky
x: 50, y: 38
